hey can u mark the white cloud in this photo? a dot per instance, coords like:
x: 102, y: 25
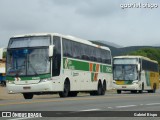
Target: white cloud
x: 88, y: 19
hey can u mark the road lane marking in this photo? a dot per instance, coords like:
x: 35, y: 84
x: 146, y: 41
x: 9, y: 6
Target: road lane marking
x: 66, y: 99
x: 90, y: 110
x: 153, y: 104
x: 126, y: 106
x: 85, y: 110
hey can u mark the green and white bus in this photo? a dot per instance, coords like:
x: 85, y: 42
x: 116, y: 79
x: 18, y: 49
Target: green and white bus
x: 54, y: 63
x: 135, y: 73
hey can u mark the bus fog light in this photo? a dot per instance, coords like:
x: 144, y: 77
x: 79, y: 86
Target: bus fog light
x: 10, y: 91
x: 135, y: 82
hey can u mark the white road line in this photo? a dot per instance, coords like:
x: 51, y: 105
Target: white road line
x: 153, y: 104
x: 85, y: 110
x: 126, y: 106
x: 91, y: 110
x: 22, y: 118
x: 110, y: 107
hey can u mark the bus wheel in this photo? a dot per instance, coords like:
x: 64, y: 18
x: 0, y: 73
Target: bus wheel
x: 140, y: 91
x: 73, y: 94
x: 3, y: 83
x: 28, y: 95
x: 103, y: 88
x: 66, y: 90
x: 154, y: 88
x: 118, y: 91
x: 99, y: 90
x: 133, y: 91
x: 92, y: 93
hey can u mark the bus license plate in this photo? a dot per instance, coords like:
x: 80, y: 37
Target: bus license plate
x: 26, y: 88
x: 123, y: 86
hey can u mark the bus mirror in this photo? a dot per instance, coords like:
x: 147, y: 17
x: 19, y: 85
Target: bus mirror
x: 51, y: 47
x: 139, y: 68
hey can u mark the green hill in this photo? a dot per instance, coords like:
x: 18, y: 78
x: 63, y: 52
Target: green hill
x: 146, y: 51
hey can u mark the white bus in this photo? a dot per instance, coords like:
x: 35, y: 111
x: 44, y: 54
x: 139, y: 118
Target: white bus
x: 54, y: 63
x: 135, y: 73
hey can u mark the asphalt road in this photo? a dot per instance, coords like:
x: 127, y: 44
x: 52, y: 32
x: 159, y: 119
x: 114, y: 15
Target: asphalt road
x: 92, y: 107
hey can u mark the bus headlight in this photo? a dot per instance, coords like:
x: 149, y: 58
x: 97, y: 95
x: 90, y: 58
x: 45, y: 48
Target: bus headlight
x: 114, y: 82
x: 135, y: 82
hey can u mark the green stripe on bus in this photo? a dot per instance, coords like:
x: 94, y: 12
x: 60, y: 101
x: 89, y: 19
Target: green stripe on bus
x: 69, y: 63
x: 128, y: 82
x: 101, y: 68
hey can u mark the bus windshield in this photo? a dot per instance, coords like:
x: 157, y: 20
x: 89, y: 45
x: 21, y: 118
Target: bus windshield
x: 30, y: 41
x: 125, y: 72
x: 27, y: 61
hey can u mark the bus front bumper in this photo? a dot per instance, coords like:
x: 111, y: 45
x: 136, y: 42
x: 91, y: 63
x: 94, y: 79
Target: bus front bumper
x: 26, y: 88
x: 127, y: 87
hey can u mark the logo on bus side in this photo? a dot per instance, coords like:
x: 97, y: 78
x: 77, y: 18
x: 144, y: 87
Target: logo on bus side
x: 17, y: 79
x: 68, y: 64
x: 108, y: 69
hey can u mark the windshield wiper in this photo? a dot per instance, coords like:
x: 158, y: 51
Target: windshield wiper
x: 34, y: 70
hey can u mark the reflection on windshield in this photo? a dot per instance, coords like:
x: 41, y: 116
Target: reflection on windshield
x: 27, y: 62
x: 125, y: 72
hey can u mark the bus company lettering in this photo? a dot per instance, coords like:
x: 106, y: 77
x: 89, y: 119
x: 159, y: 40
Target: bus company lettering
x: 17, y: 79
x: 108, y: 69
x: 35, y: 78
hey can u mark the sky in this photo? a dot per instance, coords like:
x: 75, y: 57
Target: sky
x: 123, y: 22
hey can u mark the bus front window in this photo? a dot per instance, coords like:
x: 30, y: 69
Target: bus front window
x: 38, y: 62
x: 130, y: 72
x: 16, y: 62
x: 118, y: 72
x: 33, y: 61
x: 125, y: 72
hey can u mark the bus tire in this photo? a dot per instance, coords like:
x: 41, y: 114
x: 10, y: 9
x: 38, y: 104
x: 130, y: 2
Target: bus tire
x: 66, y: 89
x: 133, y: 91
x: 73, y: 94
x: 28, y: 95
x: 3, y: 83
x: 104, y: 88
x: 118, y: 91
x: 92, y: 93
x: 154, y: 88
x: 141, y: 91
x: 99, y: 88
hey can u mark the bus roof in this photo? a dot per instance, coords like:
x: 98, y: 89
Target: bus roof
x: 65, y: 36
x: 134, y: 56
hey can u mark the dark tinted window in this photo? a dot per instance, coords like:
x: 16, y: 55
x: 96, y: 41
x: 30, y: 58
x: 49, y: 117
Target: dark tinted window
x: 57, y: 56
x: 150, y: 66
x: 81, y: 51
x: 67, y: 48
